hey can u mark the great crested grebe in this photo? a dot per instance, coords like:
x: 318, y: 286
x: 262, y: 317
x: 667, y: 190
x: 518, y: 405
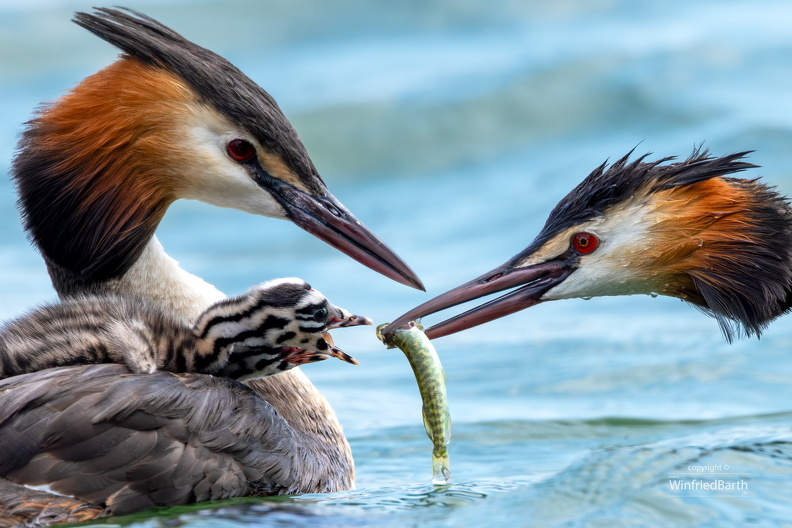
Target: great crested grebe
x: 267, y: 330
x: 683, y: 229
x: 95, y: 172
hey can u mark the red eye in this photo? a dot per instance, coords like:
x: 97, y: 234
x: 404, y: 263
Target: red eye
x: 584, y: 243
x: 241, y: 150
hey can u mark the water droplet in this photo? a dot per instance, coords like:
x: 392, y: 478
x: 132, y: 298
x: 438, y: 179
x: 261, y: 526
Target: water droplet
x: 653, y: 295
x: 587, y: 298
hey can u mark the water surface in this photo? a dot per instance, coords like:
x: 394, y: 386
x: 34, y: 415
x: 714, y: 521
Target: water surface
x: 451, y: 128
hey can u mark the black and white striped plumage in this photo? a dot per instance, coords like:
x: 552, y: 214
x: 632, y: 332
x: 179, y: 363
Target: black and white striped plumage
x: 269, y: 329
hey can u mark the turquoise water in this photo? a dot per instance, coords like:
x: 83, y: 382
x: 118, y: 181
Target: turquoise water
x: 451, y: 128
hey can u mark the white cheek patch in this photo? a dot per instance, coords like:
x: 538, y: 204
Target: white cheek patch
x: 550, y: 250
x: 611, y: 269
x: 210, y: 176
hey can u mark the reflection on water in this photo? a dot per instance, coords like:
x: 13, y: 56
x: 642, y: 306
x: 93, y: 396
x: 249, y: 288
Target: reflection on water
x: 451, y: 128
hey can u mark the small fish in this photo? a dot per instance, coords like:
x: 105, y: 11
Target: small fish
x: 431, y: 382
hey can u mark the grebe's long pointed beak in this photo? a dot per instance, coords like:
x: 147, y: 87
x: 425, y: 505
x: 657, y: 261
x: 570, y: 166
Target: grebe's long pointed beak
x: 327, y: 218
x: 535, y: 280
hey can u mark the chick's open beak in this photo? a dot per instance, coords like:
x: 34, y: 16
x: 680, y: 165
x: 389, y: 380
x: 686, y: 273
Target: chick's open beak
x: 337, y: 352
x: 341, y: 320
x: 301, y: 356
x: 533, y: 282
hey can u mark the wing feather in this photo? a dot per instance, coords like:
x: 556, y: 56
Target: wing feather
x: 101, y: 434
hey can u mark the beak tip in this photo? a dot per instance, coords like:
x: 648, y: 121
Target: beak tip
x: 409, y: 278
x: 394, y: 325
x: 343, y: 356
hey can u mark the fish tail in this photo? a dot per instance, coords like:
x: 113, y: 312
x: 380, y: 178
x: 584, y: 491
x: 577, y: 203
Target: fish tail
x: 441, y: 467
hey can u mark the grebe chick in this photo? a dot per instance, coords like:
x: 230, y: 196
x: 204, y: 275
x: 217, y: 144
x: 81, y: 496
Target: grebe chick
x: 269, y: 329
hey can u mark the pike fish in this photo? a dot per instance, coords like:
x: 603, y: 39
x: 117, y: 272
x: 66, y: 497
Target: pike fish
x: 429, y: 374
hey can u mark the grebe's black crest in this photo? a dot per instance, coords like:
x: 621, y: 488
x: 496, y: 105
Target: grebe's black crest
x: 607, y: 186
x: 218, y: 81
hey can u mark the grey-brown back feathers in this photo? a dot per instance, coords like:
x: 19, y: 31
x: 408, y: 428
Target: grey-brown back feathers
x: 169, y: 438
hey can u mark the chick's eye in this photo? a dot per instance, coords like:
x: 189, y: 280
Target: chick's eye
x: 320, y: 316
x: 241, y: 150
x: 584, y: 243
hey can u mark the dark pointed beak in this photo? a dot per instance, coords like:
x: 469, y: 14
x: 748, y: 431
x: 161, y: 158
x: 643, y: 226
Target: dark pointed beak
x: 337, y: 352
x: 533, y: 282
x: 327, y: 218
x: 351, y: 320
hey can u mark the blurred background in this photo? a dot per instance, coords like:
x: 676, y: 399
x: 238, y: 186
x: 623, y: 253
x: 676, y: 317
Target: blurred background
x: 451, y: 128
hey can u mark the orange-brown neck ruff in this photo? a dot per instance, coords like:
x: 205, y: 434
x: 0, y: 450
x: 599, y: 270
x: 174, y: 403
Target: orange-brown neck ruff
x: 93, y: 171
x: 724, y: 245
